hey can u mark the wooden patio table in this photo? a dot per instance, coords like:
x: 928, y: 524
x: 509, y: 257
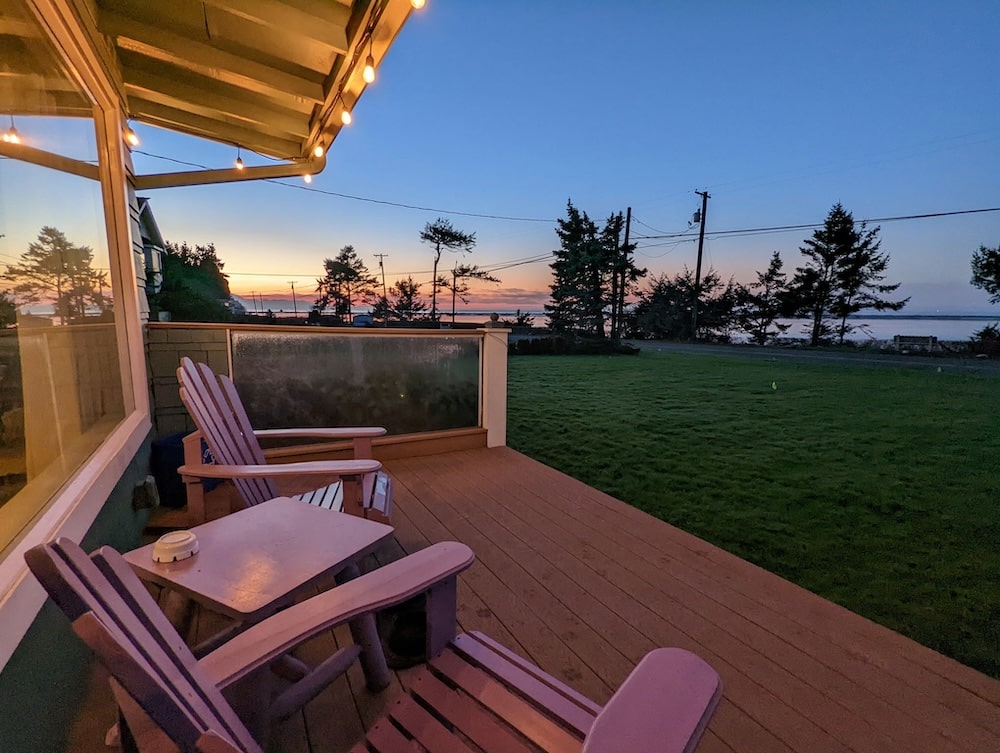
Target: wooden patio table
x: 256, y: 561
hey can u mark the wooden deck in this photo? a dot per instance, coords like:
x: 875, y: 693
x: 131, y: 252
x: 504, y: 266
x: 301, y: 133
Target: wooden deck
x: 584, y: 585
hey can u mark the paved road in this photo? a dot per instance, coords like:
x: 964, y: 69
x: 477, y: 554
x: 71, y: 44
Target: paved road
x: 956, y: 364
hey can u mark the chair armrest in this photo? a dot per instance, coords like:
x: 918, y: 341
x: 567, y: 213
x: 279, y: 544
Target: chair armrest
x: 664, y: 705
x: 308, y: 468
x: 388, y: 585
x: 340, y: 432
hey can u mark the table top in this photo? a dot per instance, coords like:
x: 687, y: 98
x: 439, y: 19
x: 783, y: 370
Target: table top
x: 251, y: 560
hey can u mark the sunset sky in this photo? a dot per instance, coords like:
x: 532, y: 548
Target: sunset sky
x: 778, y: 109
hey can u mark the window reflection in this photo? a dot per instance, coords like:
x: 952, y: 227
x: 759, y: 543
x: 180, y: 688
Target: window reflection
x: 60, y: 378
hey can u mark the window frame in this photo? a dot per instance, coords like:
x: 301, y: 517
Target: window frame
x: 73, y: 509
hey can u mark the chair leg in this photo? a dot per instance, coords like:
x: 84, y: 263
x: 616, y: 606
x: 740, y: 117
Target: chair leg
x: 365, y: 634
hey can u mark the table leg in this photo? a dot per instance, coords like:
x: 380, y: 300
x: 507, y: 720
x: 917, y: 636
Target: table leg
x: 365, y: 634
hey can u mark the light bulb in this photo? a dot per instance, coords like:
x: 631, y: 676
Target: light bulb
x: 345, y: 117
x: 131, y: 137
x: 11, y: 135
x: 307, y: 178
x: 418, y: 4
x: 368, y: 74
x: 319, y: 150
x: 239, y: 163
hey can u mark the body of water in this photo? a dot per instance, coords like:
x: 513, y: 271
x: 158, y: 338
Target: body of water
x: 881, y: 328
x: 946, y: 328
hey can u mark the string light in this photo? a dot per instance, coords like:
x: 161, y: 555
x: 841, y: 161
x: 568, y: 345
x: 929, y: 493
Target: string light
x: 318, y: 151
x: 239, y: 159
x: 417, y: 4
x: 131, y: 137
x: 307, y: 178
x: 345, y: 117
x: 368, y: 74
x: 11, y: 136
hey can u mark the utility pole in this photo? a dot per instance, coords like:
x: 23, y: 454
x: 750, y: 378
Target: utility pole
x: 295, y: 306
x: 697, y: 272
x: 624, y: 262
x: 380, y: 257
x: 385, y: 293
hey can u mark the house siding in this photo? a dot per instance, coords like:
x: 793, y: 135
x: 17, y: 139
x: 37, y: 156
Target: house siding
x: 45, y: 680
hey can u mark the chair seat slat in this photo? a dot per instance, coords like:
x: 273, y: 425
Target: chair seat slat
x: 425, y: 728
x: 533, y: 685
x: 474, y: 721
x: 328, y: 497
x: 523, y: 715
x: 385, y: 737
x: 467, y: 641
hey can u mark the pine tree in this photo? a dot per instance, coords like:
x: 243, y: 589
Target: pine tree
x: 663, y: 311
x: 194, y: 288
x: 442, y: 235
x: 843, y: 274
x: 458, y: 282
x: 591, y: 275
x: 760, y: 303
x: 986, y: 271
x: 56, y: 271
x: 404, y: 303
x: 347, y: 281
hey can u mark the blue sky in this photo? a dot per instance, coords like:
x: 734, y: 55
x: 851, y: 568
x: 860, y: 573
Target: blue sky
x: 778, y: 109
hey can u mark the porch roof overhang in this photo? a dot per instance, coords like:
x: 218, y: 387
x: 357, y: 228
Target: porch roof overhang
x: 267, y: 76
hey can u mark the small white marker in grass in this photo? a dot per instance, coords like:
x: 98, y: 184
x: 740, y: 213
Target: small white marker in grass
x: 774, y: 385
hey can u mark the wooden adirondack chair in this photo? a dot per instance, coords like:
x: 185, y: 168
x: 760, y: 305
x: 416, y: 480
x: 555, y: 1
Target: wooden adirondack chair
x: 215, y: 406
x: 474, y: 695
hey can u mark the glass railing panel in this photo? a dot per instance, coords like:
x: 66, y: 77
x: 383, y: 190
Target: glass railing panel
x: 406, y: 383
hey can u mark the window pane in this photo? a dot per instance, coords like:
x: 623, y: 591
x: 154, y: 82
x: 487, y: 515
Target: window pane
x: 60, y: 378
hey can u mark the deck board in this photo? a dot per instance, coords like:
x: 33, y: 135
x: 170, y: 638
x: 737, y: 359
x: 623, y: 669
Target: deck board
x: 584, y: 585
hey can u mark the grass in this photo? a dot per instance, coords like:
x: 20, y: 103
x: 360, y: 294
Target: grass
x: 875, y: 487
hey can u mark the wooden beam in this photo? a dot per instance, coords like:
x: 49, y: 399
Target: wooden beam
x: 228, y: 175
x: 209, y: 61
x: 215, y: 129
x: 16, y: 27
x: 208, y: 97
x: 52, y: 161
x: 312, y: 19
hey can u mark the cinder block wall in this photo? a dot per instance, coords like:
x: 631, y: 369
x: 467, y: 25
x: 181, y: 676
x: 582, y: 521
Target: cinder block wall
x: 166, y: 344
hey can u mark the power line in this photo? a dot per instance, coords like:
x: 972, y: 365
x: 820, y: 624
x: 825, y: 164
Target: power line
x: 368, y: 199
x: 785, y: 228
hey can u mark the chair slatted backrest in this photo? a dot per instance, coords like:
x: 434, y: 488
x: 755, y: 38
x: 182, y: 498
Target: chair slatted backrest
x: 219, y: 414
x: 113, y: 613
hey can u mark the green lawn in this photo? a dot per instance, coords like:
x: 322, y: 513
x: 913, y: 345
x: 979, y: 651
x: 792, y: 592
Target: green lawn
x: 876, y: 487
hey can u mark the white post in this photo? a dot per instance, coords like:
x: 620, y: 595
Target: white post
x: 493, y: 394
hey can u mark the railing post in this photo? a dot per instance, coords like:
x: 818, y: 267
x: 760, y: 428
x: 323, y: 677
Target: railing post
x: 494, y: 386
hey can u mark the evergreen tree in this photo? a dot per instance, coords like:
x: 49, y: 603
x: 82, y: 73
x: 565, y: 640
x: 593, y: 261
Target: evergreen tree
x: 54, y: 270
x: 404, y: 303
x: 591, y: 275
x: 458, y: 283
x: 570, y: 295
x: 624, y: 275
x: 194, y: 288
x: 8, y: 310
x: 442, y: 235
x: 842, y: 275
x: 663, y: 311
x: 760, y: 303
x: 986, y: 271
x: 347, y: 281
